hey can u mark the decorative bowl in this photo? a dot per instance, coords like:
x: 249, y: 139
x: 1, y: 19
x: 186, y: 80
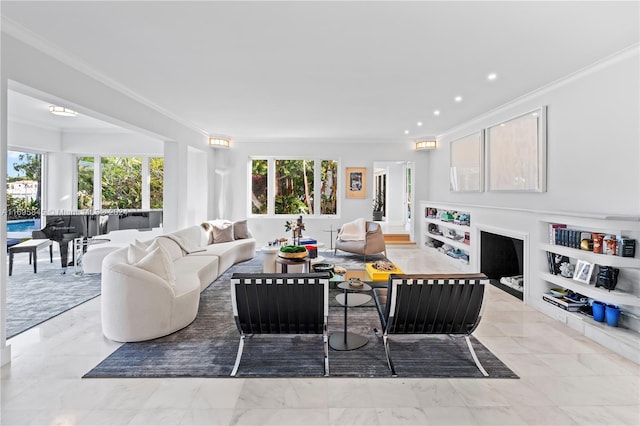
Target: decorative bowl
x: 322, y: 267
x: 294, y: 255
x: 558, y: 292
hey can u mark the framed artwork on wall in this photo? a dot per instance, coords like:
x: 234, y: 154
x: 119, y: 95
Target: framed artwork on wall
x: 516, y: 153
x: 356, y: 179
x: 466, y: 160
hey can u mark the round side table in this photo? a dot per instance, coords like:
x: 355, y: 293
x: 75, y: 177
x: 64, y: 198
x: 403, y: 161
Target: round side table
x: 269, y: 262
x: 346, y: 341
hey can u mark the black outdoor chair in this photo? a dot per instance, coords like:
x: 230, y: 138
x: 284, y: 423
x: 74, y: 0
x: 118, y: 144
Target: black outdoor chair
x: 281, y: 304
x: 431, y: 304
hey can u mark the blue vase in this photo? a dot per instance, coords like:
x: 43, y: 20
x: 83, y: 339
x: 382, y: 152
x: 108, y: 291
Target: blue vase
x: 598, y: 309
x: 612, y: 313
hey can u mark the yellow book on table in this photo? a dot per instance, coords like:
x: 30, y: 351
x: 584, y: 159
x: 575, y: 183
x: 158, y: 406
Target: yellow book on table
x: 374, y: 274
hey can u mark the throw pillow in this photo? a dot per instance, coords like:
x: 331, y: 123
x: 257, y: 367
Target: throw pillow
x: 222, y: 232
x: 208, y: 228
x: 158, y: 262
x: 171, y: 247
x: 136, y: 253
x: 240, y: 230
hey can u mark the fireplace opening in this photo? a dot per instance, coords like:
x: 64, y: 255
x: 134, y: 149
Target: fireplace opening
x: 501, y: 259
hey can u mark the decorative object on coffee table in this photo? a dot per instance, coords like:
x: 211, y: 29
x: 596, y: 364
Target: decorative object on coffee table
x: 380, y: 270
x: 293, y: 252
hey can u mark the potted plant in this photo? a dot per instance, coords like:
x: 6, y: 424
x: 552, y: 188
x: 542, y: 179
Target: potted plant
x: 378, y: 205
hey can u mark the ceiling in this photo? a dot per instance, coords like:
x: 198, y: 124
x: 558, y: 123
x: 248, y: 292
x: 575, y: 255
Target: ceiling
x: 331, y: 70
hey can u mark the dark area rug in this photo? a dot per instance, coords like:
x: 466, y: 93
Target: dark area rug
x: 35, y: 298
x: 208, y: 346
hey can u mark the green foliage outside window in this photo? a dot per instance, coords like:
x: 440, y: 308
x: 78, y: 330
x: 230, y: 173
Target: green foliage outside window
x: 85, y: 183
x: 329, y: 190
x: 294, y: 187
x: 156, y: 182
x: 293, y: 183
x: 259, y: 169
x: 121, y: 182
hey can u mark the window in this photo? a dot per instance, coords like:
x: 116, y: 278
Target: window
x: 85, y: 183
x: 24, y: 179
x: 294, y: 187
x: 119, y: 183
x: 287, y: 186
x: 156, y: 182
x: 329, y: 190
x: 259, y: 186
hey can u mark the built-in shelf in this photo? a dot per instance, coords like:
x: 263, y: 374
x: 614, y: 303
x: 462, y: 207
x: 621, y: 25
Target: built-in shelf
x: 620, y: 340
x: 598, y: 259
x: 450, y: 225
x: 443, y: 226
x: 613, y: 296
x: 624, y: 339
x: 454, y: 243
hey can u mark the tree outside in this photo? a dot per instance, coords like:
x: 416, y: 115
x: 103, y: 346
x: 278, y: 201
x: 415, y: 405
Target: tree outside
x: 294, y: 187
x: 29, y: 169
x: 156, y: 182
x: 121, y: 182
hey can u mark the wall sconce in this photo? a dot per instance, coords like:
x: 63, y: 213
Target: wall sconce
x: 218, y: 142
x: 65, y: 112
x: 427, y: 144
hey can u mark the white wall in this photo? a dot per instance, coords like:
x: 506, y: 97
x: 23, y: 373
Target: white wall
x: 28, y: 138
x: 349, y: 153
x: 593, y: 144
x: 119, y: 144
x: 59, y: 193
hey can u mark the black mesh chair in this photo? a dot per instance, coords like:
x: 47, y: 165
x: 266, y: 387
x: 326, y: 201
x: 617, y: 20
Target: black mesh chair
x: 431, y: 304
x: 281, y: 304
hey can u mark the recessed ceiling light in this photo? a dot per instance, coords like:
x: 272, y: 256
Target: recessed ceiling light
x: 436, y: 112
x: 406, y: 132
x: 458, y: 99
x: 492, y: 76
x: 419, y: 123
x: 65, y: 112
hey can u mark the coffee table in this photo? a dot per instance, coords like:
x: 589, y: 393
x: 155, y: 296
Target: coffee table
x: 346, y: 341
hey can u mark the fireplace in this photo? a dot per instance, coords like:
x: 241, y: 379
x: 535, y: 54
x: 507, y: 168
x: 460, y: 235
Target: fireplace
x: 501, y: 259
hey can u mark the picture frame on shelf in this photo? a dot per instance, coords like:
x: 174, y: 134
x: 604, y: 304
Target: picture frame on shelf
x: 583, y: 271
x: 466, y: 159
x: 516, y: 153
x: 356, y: 181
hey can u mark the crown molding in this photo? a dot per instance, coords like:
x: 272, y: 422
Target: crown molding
x: 45, y: 46
x: 597, y: 66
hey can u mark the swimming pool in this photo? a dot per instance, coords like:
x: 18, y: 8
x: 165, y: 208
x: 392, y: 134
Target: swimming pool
x: 22, y: 225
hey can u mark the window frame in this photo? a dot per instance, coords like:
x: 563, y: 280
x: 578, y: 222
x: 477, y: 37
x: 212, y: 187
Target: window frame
x: 271, y: 186
x: 97, y: 189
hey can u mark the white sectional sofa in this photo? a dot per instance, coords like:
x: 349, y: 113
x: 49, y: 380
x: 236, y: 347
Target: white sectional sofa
x: 153, y: 289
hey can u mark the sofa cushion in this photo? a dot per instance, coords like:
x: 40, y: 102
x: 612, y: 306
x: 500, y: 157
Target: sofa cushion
x: 171, y: 247
x: 204, y: 269
x: 241, y: 230
x: 135, y: 253
x: 222, y: 232
x: 191, y: 237
x: 158, y: 262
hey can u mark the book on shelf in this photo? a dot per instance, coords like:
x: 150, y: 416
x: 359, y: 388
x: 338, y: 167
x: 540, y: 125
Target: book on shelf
x: 563, y: 303
x: 553, y: 232
x: 555, y: 262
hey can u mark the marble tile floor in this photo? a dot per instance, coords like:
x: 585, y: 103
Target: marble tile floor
x: 565, y: 379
